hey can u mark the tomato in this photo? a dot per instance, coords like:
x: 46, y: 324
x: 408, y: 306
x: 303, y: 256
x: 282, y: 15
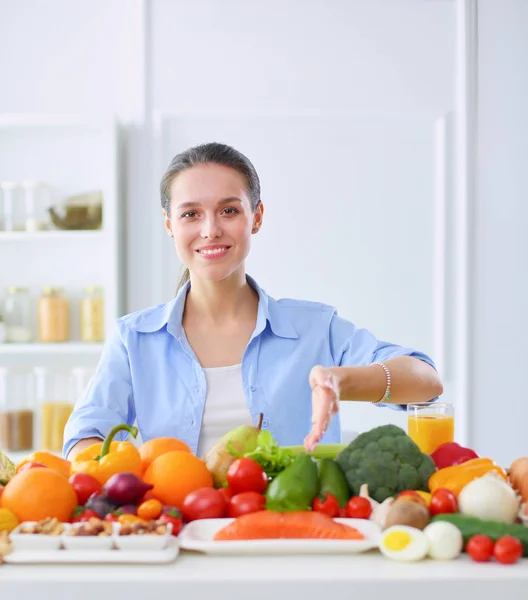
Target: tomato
x: 508, y: 550
x: 84, y: 486
x: 226, y: 494
x: 150, y: 509
x: 480, y: 548
x: 81, y: 514
x: 205, y: 503
x: 246, y: 475
x: 245, y: 503
x: 172, y: 516
x: 342, y: 514
x: 329, y: 506
x: 443, y: 501
x: 358, y: 508
x: 113, y: 517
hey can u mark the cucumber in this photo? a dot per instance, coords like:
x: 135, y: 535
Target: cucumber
x: 469, y: 526
x: 320, y: 451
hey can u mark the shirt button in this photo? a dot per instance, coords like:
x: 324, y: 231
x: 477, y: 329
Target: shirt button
x: 253, y: 388
x: 265, y: 423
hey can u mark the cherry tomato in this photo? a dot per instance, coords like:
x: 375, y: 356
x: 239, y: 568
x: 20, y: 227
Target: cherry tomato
x: 443, y: 501
x: 113, y: 517
x: 358, y: 508
x: 150, y: 509
x: 245, y: 503
x: 172, y: 516
x: 480, y: 548
x: 508, y: 550
x: 81, y: 514
x: 329, y: 506
x: 84, y: 486
x: 205, y: 503
x: 246, y: 475
x: 226, y: 493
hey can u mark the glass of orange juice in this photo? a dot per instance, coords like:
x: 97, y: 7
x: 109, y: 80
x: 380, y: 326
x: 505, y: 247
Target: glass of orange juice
x: 430, y: 425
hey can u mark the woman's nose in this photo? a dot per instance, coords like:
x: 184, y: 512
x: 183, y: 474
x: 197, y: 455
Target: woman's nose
x: 211, y: 228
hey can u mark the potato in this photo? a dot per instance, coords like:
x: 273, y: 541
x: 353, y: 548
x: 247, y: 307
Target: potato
x: 407, y: 512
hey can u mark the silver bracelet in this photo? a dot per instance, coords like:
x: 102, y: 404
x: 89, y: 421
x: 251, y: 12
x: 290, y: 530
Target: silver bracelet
x: 386, y: 395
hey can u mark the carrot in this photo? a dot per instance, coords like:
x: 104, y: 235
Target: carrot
x: 269, y: 524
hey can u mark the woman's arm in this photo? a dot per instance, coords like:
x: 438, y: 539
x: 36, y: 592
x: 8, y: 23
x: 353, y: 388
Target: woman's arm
x: 412, y: 380
x: 80, y: 446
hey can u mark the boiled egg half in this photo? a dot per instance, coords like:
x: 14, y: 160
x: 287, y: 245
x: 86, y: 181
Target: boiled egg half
x: 401, y: 542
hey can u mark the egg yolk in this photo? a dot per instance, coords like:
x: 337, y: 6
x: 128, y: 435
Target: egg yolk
x: 397, y: 540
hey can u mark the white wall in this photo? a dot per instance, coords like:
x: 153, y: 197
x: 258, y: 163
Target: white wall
x: 500, y: 296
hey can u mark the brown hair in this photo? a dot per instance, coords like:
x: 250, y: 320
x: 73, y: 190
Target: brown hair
x: 211, y: 153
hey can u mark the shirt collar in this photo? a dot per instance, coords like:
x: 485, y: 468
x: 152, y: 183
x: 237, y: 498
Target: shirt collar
x: 170, y: 315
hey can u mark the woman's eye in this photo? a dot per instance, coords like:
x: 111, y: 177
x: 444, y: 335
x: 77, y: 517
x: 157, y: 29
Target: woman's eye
x: 190, y: 214
x: 231, y: 210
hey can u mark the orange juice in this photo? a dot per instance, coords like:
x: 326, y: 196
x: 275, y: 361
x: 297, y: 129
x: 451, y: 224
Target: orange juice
x: 431, y: 431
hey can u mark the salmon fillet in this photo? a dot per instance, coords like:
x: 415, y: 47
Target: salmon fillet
x: 268, y: 525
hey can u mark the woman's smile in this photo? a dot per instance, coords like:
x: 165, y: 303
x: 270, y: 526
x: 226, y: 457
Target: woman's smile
x: 213, y: 251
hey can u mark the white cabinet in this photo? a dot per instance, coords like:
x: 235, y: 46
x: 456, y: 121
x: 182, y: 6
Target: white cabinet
x: 72, y: 156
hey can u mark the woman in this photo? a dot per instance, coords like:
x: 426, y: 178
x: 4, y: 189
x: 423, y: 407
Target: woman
x: 223, y: 351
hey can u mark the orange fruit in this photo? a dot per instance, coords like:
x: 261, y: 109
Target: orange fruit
x: 49, y: 459
x: 37, y: 494
x: 176, y: 474
x: 158, y: 446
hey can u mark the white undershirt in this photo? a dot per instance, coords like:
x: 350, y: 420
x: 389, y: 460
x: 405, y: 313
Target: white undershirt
x: 225, y: 405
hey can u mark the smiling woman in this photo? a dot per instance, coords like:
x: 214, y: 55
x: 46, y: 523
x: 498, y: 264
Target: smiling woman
x: 223, y: 352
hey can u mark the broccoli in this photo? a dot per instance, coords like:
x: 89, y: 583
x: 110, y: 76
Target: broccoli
x: 387, y: 460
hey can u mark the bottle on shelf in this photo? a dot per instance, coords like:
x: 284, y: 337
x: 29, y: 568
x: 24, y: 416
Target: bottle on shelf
x: 17, y: 414
x: 53, y: 316
x: 56, y: 392
x: 92, y: 314
x: 17, y: 310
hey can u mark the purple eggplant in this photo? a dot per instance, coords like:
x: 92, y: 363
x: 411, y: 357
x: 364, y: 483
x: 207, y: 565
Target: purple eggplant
x: 101, y: 504
x: 125, y: 488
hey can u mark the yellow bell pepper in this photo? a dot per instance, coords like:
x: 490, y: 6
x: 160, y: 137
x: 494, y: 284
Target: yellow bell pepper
x: 104, y: 459
x: 456, y: 477
x: 8, y: 520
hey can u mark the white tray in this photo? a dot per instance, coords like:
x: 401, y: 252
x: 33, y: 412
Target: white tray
x: 198, y: 536
x: 167, y: 555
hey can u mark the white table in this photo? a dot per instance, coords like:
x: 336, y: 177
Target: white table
x: 269, y: 578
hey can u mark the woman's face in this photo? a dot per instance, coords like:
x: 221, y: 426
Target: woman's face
x: 211, y: 220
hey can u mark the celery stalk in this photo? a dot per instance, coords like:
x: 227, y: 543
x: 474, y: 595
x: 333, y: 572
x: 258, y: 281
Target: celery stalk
x: 320, y: 451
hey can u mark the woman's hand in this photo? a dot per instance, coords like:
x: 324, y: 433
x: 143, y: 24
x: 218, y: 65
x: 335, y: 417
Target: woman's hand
x: 325, y: 403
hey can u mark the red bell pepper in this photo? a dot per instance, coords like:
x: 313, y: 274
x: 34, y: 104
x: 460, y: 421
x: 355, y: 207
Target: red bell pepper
x: 450, y: 454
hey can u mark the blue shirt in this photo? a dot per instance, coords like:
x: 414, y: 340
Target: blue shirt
x: 149, y: 374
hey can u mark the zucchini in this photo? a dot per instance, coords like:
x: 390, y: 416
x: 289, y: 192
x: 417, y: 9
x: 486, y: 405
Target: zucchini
x: 469, y: 526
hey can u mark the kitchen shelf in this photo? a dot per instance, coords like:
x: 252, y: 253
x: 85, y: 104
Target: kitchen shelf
x: 26, y: 236
x: 65, y: 348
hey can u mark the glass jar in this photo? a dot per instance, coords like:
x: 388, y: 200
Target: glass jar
x: 14, y: 214
x: 36, y: 218
x: 54, y: 396
x: 53, y: 316
x: 16, y: 411
x: 92, y: 315
x: 18, y: 315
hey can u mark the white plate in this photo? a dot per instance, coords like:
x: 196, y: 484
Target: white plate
x: 34, y: 541
x: 198, y: 536
x: 87, y: 542
x: 90, y: 557
x: 146, y: 542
